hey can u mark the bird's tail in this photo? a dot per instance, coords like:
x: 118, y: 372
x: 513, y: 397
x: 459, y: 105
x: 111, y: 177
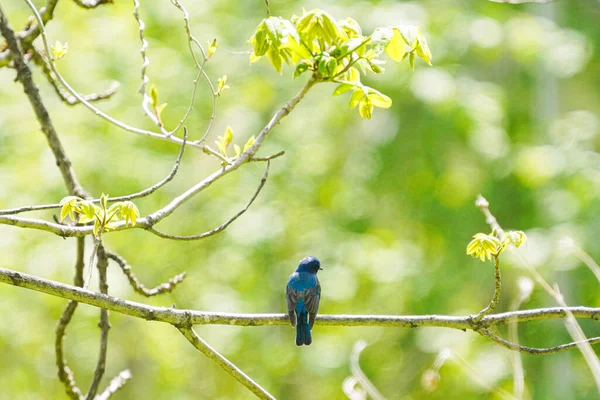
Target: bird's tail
x: 303, y: 335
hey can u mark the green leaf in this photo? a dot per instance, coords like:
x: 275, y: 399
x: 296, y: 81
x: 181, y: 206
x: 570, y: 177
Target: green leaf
x: 96, y: 229
x: 275, y: 59
x: 411, y: 60
x: 211, y: 49
x: 423, y: 49
x: 353, y: 75
x: 161, y: 108
x: 222, y: 85
x: 297, y: 48
x: 365, y: 108
x: 228, y: 136
x: 154, y: 95
x: 60, y: 50
x: 351, y: 27
x: 238, y: 150
x: 300, y: 69
x: 357, y: 96
x: 249, y: 143
x: 396, y: 48
x: 104, y: 201
x: 343, y: 88
x: 130, y: 213
x: 261, y: 45
x: 69, y: 207
x: 379, y: 99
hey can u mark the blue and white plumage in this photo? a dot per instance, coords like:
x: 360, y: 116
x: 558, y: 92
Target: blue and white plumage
x: 303, y: 293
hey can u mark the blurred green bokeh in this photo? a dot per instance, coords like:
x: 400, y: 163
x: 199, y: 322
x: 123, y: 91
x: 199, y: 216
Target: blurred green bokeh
x: 511, y: 109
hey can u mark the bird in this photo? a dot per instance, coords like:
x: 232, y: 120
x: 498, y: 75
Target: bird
x: 303, y: 293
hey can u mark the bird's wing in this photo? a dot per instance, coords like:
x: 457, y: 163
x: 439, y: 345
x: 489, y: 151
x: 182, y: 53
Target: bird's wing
x: 312, y: 297
x: 291, y: 297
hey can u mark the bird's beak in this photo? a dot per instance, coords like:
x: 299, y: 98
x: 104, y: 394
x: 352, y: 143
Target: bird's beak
x: 320, y: 269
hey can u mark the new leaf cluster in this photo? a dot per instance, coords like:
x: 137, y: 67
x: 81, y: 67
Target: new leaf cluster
x: 337, y: 51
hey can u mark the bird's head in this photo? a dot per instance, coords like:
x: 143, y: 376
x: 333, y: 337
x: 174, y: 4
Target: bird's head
x: 309, y: 264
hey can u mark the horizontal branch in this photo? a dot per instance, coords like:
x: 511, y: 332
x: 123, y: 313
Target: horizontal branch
x: 152, y: 219
x: 223, y: 226
x: 191, y: 317
x: 536, y: 350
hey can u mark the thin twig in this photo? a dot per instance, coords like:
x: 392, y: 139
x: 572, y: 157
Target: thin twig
x: 64, y: 372
x: 104, y: 325
x: 115, y: 384
x: 97, y: 242
x: 224, y: 225
x: 267, y: 158
x: 86, y: 103
x: 201, y: 71
x: 25, y: 77
x: 536, y: 350
x: 152, y: 219
x: 143, y: 193
x: 496, y: 297
x: 31, y: 31
x: 64, y: 95
x: 579, y: 338
x: 138, y: 286
x: 178, y: 317
x: 224, y: 363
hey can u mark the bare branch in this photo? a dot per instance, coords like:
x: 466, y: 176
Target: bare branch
x: 223, y: 226
x: 80, y: 98
x: 138, y: 286
x: 224, y: 363
x: 115, y: 384
x: 64, y: 372
x: 97, y: 243
x: 26, y: 79
x: 536, y: 350
x: 496, y: 297
x: 201, y: 71
x: 267, y: 158
x: 182, y: 317
x: 579, y: 338
x: 104, y: 325
x: 152, y: 219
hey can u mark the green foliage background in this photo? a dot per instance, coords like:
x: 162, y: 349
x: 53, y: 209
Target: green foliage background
x: 509, y: 109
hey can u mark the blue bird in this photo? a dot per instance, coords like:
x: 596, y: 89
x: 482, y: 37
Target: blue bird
x: 303, y: 293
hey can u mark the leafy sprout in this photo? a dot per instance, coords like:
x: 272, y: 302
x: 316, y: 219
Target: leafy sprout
x: 85, y: 211
x: 488, y: 245
x: 337, y: 51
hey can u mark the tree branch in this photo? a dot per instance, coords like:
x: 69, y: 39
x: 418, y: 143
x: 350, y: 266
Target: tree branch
x: 496, y: 297
x: 224, y: 363
x: 224, y: 225
x: 152, y: 219
x: 535, y: 350
x: 186, y: 317
x: 104, y: 325
x: 64, y: 372
x: 24, y: 76
x: 138, y: 286
x: 115, y: 384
